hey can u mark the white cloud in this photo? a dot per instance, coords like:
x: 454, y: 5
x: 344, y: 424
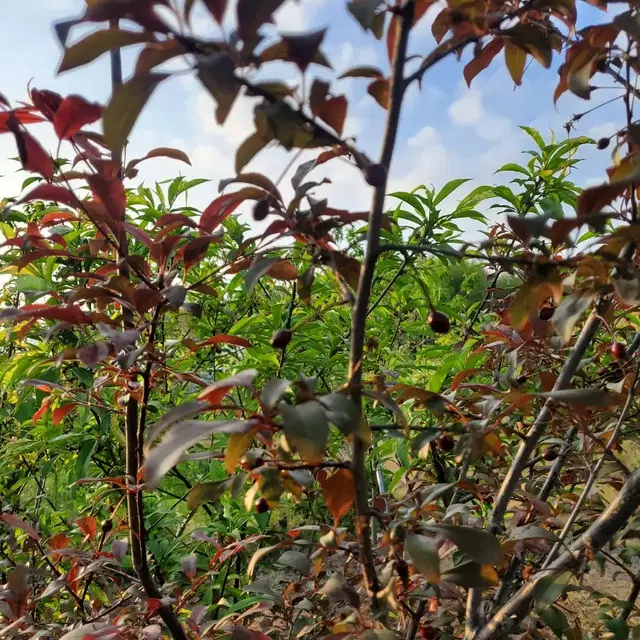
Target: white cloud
x: 467, y: 109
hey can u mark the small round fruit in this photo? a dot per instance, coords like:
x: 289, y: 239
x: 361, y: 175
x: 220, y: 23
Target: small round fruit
x: 521, y: 379
x: 260, y: 210
x: 106, y: 525
x: 550, y: 454
x: 438, y: 321
x: 603, y: 143
x: 618, y: 350
x: 546, y: 313
x: 262, y: 506
x: 375, y: 175
x: 281, y: 339
x: 446, y: 442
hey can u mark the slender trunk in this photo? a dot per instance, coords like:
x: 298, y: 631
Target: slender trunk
x: 397, y: 89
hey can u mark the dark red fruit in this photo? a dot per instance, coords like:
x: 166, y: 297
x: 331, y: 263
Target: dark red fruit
x: 281, y: 339
x: 439, y: 322
x: 618, y: 350
x: 603, y: 143
x: 550, y: 454
x: 262, y: 506
x: 428, y: 633
x: 521, y: 379
x: 446, y: 442
x: 546, y: 313
x: 375, y: 175
x: 260, y: 210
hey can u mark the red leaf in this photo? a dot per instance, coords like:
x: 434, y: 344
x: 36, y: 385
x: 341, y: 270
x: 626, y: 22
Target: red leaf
x: 110, y: 192
x: 13, y: 521
x: 482, y: 60
x: 379, y: 89
x: 61, y: 195
x: 74, y: 113
x: 334, y: 112
x: 71, y: 313
x: 224, y: 339
x: 282, y: 270
x: 33, y: 157
x: 339, y: 492
x: 46, y: 402
x: 46, y: 102
x: 60, y: 412
x: 59, y: 541
x: 54, y: 217
x: 24, y: 115
x: 196, y: 249
x: 88, y: 526
x: 223, y: 206
x: 595, y: 199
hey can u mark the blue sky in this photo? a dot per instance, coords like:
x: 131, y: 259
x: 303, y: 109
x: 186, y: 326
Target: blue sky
x: 447, y: 130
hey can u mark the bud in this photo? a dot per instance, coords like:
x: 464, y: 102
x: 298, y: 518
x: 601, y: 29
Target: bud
x: 438, y: 321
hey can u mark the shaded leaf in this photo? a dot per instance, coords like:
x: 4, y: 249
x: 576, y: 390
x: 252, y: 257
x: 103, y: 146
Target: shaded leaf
x: 164, y: 456
x: 364, y: 11
x: 341, y: 411
x: 380, y: 90
x: 207, y: 492
x: 125, y: 106
x: 306, y: 428
x: 472, y: 575
x: 296, y: 560
x: 302, y: 48
x: 568, y: 312
x: 217, y: 74
x: 273, y: 391
x: 477, y: 544
x: 97, y: 43
x: 215, y: 392
x: 423, y: 552
x: 17, y: 523
x: 482, y: 60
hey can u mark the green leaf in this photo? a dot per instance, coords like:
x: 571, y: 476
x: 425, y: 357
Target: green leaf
x: 448, y: 189
x: 513, y: 167
x: 477, y: 544
x: 535, y: 134
x: 423, y: 551
x: 306, y: 427
x: 555, y: 620
x: 127, y: 102
x: 549, y: 588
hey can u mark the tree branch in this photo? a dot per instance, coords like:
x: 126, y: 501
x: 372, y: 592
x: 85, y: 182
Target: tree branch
x: 596, y: 536
x: 397, y: 90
